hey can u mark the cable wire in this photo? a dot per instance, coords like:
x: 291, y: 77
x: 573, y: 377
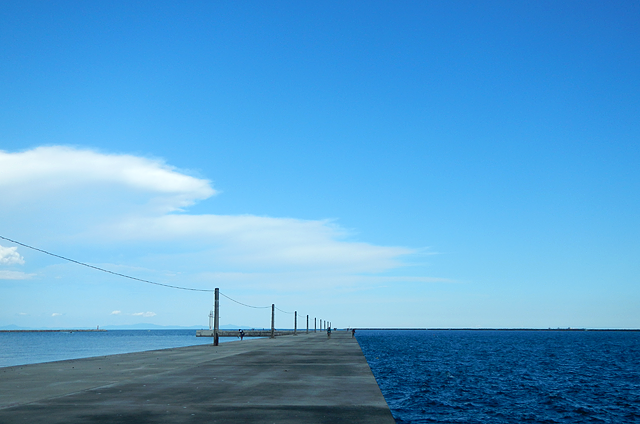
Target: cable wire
x: 105, y: 270
x: 244, y: 304
x: 283, y: 311
x: 134, y: 278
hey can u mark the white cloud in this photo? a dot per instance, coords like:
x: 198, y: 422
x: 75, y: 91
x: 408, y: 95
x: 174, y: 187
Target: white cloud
x: 14, y: 275
x: 57, y: 169
x: 10, y: 256
x: 144, y: 314
x: 119, y: 201
x: 262, y: 241
x: 116, y: 312
x: 56, y: 314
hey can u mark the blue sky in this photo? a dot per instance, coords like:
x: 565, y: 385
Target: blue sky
x: 418, y: 164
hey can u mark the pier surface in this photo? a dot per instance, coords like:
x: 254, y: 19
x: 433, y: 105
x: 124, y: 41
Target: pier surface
x: 289, y: 379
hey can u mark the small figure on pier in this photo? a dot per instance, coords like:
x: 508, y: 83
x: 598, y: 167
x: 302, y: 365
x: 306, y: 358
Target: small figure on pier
x: 353, y: 333
x: 241, y: 334
x: 329, y: 332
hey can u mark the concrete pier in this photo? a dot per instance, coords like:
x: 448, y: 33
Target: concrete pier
x: 302, y: 379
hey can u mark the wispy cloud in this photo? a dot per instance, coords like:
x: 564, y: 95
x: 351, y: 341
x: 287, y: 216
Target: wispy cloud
x: 14, y: 275
x: 56, y: 314
x: 144, y: 314
x: 116, y: 312
x: 10, y: 256
x: 255, y: 241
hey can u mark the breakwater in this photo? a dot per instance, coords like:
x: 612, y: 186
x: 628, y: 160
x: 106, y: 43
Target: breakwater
x: 289, y: 379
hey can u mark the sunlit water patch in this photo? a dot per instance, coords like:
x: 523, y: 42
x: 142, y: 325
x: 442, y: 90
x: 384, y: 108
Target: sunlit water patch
x: 33, y: 347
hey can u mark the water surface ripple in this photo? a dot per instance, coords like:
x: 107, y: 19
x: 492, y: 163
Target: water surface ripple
x: 458, y: 376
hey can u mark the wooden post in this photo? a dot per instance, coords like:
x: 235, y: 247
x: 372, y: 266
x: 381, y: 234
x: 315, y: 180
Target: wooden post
x: 295, y: 323
x: 216, y: 316
x: 315, y: 324
x: 273, y: 320
x: 307, y: 324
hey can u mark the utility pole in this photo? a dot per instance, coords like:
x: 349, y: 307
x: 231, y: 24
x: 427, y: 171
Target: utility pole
x: 273, y: 320
x: 295, y: 323
x: 216, y: 316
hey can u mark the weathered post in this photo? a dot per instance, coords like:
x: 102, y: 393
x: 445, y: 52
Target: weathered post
x: 307, y: 324
x: 273, y: 320
x: 315, y: 324
x: 216, y: 316
x: 295, y: 323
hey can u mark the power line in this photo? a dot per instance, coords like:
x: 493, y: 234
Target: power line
x: 283, y: 311
x: 133, y: 278
x: 105, y: 270
x: 244, y: 304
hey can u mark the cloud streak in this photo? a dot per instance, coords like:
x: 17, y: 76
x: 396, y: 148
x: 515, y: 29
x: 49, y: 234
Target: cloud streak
x: 263, y: 242
x: 144, y: 314
x: 14, y: 275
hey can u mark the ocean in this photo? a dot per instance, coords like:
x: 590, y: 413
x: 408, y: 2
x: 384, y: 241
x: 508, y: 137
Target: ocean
x: 460, y: 376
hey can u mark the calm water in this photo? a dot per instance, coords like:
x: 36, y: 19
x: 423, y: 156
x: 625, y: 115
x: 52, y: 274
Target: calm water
x: 31, y: 348
x: 507, y: 376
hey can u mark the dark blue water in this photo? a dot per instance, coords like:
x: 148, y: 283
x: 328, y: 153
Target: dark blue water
x: 456, y: 376
x: 31, y: 348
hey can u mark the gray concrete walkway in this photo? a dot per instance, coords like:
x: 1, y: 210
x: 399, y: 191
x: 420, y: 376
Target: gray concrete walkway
x: 290, y: 379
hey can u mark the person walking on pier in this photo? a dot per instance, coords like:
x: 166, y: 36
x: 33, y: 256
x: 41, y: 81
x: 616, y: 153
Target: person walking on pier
x: 353, y: 333
x: 329, y: 332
